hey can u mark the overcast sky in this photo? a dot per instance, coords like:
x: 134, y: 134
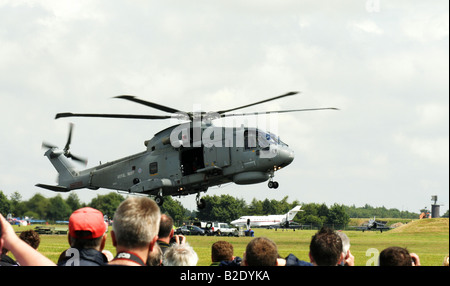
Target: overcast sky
x: 384, y: 64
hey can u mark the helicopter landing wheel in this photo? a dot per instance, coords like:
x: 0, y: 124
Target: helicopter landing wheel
x: 273, y: 185
x: 201, y: 203
x: 159, y: 200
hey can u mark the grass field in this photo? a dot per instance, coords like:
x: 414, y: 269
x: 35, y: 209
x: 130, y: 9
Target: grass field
x: 428, y: 238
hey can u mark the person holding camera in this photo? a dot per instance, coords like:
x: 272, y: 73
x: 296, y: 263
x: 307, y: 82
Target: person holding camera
x: 25, y: 254
x: 398, y: 256
x: 180, y: 253
x: 166, y: 232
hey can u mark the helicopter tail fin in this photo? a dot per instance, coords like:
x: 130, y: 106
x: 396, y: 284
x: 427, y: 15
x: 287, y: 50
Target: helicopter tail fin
x: 68, y: 178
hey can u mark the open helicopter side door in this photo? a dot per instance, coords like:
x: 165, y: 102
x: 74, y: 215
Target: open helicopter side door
x: 191, y: 160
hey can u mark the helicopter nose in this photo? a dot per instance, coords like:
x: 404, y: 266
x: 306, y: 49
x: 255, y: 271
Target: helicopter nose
x: 285, y: 156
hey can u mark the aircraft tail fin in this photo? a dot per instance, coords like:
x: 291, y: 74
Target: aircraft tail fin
x: 292, y: 213
x: 68, y: 179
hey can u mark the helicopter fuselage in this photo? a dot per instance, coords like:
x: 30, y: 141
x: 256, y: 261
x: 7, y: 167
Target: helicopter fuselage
x: 183, y: 159
x: 176, y: 164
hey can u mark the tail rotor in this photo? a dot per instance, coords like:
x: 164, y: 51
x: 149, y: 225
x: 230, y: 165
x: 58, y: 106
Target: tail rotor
x: 66, y: 150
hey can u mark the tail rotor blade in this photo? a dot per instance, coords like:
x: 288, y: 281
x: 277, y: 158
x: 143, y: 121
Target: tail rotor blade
x: 77, y: 158
x: 46, y: 145
x: 66, y: 150
x: 69, y: 138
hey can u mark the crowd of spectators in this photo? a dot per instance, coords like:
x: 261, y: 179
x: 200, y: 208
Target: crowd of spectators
x: 142, y: 236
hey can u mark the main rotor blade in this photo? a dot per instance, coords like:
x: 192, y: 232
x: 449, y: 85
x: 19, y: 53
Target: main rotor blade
x: 148, y: 103
x: 259, y: 102
x: 280, y: 111
x: 126, y: 116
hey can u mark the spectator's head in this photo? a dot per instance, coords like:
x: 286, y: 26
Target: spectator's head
x: 87, y: 229
x: 395, y: 256
x: 221, y: 251
x: 155, y: 256
x: 180, y: 255
x: 136, y: 223
x: 165, y: 227
x: 261, y: 251
x: 325, y: 248
x: 31, y: 238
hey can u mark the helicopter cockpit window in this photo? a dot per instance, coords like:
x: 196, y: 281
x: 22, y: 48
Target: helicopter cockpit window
x: 261, y: 139
x: 153, y: 168
x: 266, y: 138
x: 250, y: 139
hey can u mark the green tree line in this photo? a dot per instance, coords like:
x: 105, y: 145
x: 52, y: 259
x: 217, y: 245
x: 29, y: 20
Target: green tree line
x: 58, y: 208
x: 223, y: 208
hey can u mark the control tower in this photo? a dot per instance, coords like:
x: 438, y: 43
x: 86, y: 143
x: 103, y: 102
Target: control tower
x: 435, y: 208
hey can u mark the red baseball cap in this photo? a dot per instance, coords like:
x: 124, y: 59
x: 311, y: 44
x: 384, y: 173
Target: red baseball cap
x: 89, y: 220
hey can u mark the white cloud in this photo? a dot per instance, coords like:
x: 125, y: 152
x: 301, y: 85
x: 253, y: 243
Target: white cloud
x: 434, y: 150
x: 433, y: 114
x: 427, y: 27
x: 368, y: 27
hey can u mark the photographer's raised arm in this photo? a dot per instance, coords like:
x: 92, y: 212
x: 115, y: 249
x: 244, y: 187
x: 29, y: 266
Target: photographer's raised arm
x: 24, y: 253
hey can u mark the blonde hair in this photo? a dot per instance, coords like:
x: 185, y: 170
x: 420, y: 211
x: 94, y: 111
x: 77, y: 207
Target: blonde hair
x: 136, y: 222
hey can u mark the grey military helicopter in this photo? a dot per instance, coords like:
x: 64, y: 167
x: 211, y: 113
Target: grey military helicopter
x: 183, y: 159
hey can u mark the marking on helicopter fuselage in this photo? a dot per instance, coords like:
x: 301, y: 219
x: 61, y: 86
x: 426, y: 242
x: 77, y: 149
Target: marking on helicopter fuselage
x: 124, y: 175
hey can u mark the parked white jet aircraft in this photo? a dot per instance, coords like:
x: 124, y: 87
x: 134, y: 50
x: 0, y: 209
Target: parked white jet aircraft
x: 267, y: 220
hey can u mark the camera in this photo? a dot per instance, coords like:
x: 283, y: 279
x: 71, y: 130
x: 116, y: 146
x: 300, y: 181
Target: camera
x: 180, y: 239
